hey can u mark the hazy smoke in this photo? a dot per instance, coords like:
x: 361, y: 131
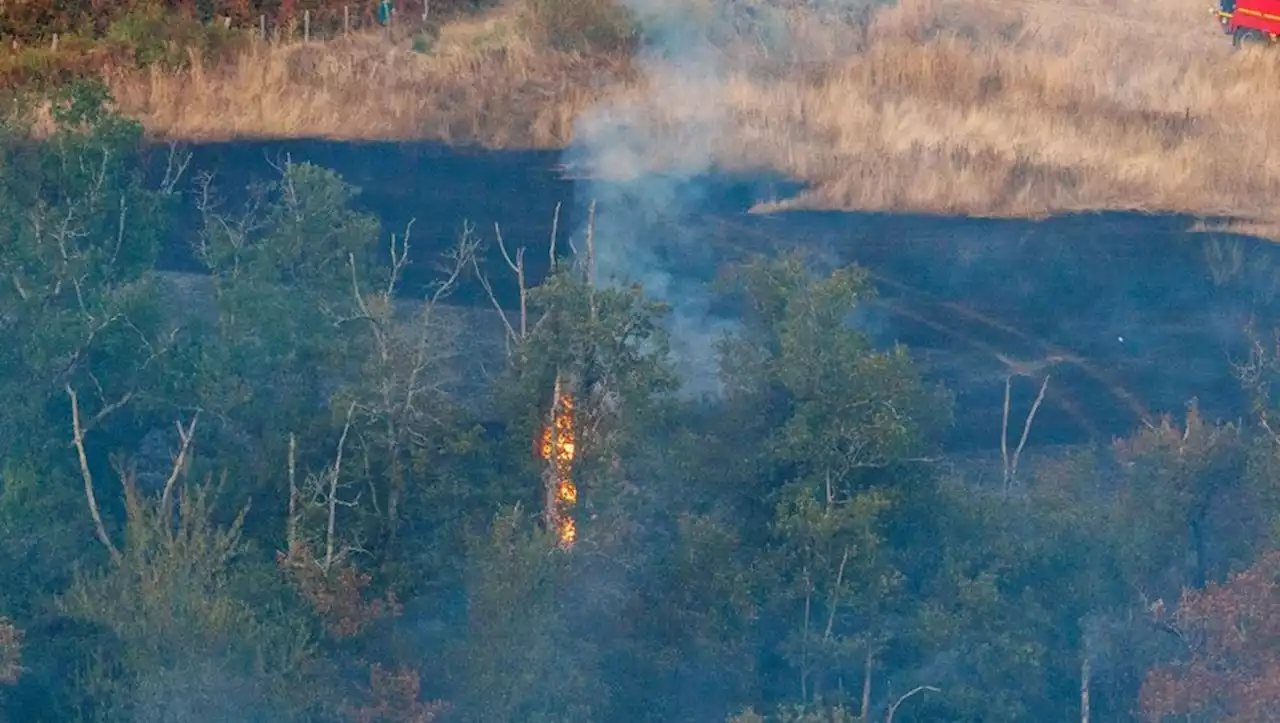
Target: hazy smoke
x: 646, y: 159
x: 651, y: 157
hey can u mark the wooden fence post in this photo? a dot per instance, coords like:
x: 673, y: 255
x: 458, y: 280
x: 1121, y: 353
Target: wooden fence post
x: 262, y: 26
x: 55, y: 43
x: 306, y: 26
x: 346, y: 20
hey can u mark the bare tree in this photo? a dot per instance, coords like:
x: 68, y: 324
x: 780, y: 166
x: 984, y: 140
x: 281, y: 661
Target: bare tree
x: 324, y: 489
x: 400, y: 388
x: 1086, y: 675
x: 1010, y: 464
x: 330, y: 581
x: 80, y: 428
x: 78, y: 432
x: 518, y: 331
x: 176, y: 163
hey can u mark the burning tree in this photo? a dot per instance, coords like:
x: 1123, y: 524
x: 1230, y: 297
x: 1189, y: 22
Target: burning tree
x: 600, y: 349
x: 558, y: 447
x: 1232, y: 632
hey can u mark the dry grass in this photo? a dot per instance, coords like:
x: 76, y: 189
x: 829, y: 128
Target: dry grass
x: 481, y: 82
x: 974, y: 106
x: 1028, y: 109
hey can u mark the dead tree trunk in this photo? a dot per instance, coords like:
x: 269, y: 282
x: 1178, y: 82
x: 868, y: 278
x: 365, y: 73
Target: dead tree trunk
x: 866, y: 686
x: 1086, y: 673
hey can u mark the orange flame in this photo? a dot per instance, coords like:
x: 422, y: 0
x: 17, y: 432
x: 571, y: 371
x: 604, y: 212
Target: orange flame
x: 559, y: 448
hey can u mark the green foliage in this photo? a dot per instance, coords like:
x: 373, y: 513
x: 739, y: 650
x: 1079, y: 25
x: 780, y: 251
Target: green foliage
x: 38, y: 527
x: 80, y: 232
x: 158, y: 37
x: 171, y: 605
x: 280, y: 266
x: 516, y: 591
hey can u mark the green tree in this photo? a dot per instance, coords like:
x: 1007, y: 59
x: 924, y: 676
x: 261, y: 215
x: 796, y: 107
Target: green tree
x: 523, y: 657
x: 190, y: 644
x: 849, y: 430
x: 81, y: 232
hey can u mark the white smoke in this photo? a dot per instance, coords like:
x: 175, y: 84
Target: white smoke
x: 644, y: 157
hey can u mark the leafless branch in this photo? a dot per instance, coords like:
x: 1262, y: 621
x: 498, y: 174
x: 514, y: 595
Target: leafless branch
x: 591, y: 260
x: 399, y: 259
x: 1004, y: 433
x: 1011, y: 464
x: 179, y: 462
x: 237, y: 234
x: 551, y: 247
x: 175, y: 167
x: 517, y: 267
x: 335, y: 474
x: 291, y: 525
x: 1026, y: 427
x: 893, y: 708
x: 835, y: 596
x: 78, y: 439
x: 513, y: 337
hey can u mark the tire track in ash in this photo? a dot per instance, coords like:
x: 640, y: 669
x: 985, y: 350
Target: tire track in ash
x: 1055, y: 397
x: 941, y: 315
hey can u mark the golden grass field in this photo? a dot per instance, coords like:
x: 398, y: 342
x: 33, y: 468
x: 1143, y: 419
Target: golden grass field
x: 989, y: 107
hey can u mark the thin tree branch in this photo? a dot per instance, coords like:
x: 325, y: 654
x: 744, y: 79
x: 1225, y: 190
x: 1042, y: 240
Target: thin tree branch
x: 1026, y: 427
x: 835, y: 596
x: 893, y: 709
x: 291, y: 526
x: 91, y: 497
x: 179, y: 462
x: 1004, y: 434
x: 334, y: 475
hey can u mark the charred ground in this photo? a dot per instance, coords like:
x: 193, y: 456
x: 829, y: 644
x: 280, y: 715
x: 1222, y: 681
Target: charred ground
x: 1146, y: 311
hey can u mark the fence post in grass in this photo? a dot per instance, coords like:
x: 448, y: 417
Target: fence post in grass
x: 262, y: 27
x: 306, y: 26
x: 426, y: 8
x: 226, y: 22
x: 54, y: 47
x: 346, y: 20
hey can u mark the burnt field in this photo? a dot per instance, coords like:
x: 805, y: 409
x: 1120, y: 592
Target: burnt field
x: 1131, y: 315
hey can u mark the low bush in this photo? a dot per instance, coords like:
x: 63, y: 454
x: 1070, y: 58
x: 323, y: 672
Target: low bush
x: 582, y: 25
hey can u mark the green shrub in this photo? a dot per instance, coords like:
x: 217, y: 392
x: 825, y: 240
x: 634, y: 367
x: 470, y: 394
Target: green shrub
x: 582, y: 25
x: 169, y: 39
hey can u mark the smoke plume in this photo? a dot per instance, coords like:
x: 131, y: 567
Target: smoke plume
x: 645, y: 160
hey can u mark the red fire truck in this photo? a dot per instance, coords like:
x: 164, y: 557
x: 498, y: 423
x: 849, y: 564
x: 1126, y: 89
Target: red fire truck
x: 1249, y: 21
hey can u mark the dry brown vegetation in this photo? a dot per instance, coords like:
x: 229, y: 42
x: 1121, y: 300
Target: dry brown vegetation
x: 1000, y: 108
x: 483, y: 80
x: 10, y: 652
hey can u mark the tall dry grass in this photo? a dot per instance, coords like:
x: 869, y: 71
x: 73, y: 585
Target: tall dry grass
x: 1001, y: 108
x: 1030, y: 108
x: 481, y: 81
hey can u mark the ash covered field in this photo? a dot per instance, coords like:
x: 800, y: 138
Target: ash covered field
x: 1131, y: 315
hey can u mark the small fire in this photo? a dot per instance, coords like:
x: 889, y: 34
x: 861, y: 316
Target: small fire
x: 558, y: 448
